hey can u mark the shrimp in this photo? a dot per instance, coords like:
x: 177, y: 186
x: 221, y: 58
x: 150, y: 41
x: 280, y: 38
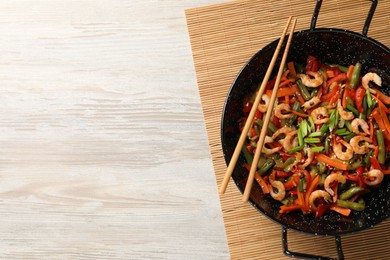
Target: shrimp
x: 288, y: 142
x: 266, y: 150
x: 361, y: 144
x: 316, y: 195
x: 344, y: 114
x: 284, y: 130
x: 373, y: 177
x: 331, y: 178
x: 310, y: 157
x: 338, y: 150
x: 370, y: 76
x: 358, y: 124
x: 263, y: 107
x: 281, y: 191
x: 279, y: 109
x: 314, y: 82
x: 311, y: 103
x: 320, y: 115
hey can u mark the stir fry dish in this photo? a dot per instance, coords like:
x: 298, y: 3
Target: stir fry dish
x: 328, y: 139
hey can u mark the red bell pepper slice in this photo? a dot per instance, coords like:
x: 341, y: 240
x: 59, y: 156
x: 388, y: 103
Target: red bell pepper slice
x: 322, y: 209
x: 360, y: 92
x: 312, y: 64
x: 250, y: 148
x: 352, y: 177
x: 375, y: 164
x: 282, y: 174
x: 258, y: 115
x: 338, y: 78
x: 331, y: 94
x: 247, y: 107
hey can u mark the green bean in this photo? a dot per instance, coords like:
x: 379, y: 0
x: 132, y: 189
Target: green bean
x: 268, y: 165
x: 362, y: 115
x: 354, y: 165
x: 301, y: 185
x: 261, y: 161
x: 353, y: 110
x: 271, y: 128
x: 366, y: 159
x: 349, y: 125
x: 341, y: 68
x: 381, y: 145
x: 365, y: 103
x: 350, y: 192
x: 314, y: 93
x: 295, y: 107
x: 321, y: 167
x: 311, y: 123
x: 296, y: 149
x: 333, y: 119
x: 288, y: 164
x: 304, y: 91
x: 324, y: 128
x: 355, y: 77
x: 327, y: 144
x: 317, y: 149
x: 315, y: 134
x: 312, y: 140
x: 248, y: 156
x: 300, y: 136
x: 369, y: 100
x: 369, y: 110
x: 322, y: 179
x: 351, y: 205
x: 342, y: 131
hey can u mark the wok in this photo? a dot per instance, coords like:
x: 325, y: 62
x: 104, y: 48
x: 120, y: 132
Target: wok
x: 334, y: 46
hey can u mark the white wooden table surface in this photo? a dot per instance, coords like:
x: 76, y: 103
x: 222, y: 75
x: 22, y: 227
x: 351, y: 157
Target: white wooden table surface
x: 103, y: 148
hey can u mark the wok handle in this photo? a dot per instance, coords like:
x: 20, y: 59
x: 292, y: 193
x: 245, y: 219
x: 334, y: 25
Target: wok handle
x: 309, y: 256
x: 366, y: 24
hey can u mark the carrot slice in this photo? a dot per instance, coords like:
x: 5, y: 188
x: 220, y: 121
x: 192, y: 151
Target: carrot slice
x: 297, y: 92
x: 291, y: 68
x: 311, y: 188
x: 299, y: 114
x: 382, y: 97
x: 345, y: 95
x: 289, y: 208
x: 284, y: 75
x: 262, y: 183
x: 349, y: 72
x: 332, y: 162
x: 341, y: 210
x: 379, y: 119
x: 281, y: 92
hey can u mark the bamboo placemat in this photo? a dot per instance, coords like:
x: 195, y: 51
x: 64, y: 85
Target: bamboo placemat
x: 223, y: 38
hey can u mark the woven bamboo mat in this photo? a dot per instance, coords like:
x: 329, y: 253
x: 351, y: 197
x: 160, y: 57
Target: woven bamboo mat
x: 223, y: 38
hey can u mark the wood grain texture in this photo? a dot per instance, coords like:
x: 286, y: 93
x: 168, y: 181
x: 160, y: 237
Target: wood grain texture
x: 103, y: 149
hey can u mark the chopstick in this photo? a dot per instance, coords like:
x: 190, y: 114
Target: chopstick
x: 263, y: 132
x: 249, y: 121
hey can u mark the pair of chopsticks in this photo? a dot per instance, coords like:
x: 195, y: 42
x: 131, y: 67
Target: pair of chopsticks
x: 249, y: 121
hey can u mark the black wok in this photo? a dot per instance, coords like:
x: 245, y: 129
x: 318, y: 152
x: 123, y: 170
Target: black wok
x: 334, y: 46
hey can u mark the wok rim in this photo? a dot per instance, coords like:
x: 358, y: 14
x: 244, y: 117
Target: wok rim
x: 224, y: 115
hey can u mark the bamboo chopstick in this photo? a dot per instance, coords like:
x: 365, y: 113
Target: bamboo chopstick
x: 263, y: 132
x: 249, y: 121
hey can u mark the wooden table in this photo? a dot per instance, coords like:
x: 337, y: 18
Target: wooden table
x: 103, y: 148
